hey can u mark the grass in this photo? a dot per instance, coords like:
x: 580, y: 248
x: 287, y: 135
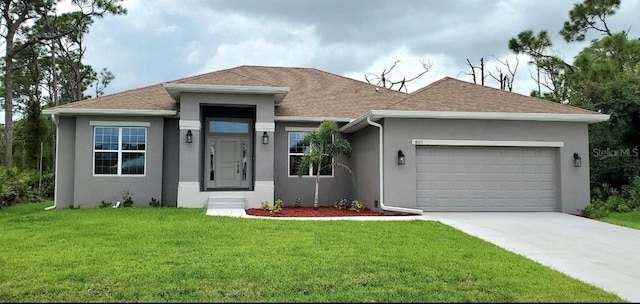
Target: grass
x: 181, y: 255
x: 628, y: 219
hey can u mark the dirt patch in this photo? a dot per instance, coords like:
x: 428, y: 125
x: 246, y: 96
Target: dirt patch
x: 320, y: 212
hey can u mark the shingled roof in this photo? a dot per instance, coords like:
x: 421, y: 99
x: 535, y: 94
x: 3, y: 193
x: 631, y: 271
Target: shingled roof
x: 315, y: 93
x: 453, y: 95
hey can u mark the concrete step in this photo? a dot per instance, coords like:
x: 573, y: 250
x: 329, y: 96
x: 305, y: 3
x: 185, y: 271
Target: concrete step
x: 226, y: 203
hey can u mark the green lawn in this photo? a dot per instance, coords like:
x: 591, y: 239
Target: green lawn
x: 181, y: 255
x: 629, y: 219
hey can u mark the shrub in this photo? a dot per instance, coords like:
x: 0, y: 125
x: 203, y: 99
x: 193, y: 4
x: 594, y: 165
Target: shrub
x: 127, y: 201
x: 341, y: 204
x: 356, y: 205
x: 24, y: 186
x: 298, y: 203
x: 105, y: 204
x: 264, y: 205
x: 277, y: 207
x: 154, y: 203
x: 596, y: 210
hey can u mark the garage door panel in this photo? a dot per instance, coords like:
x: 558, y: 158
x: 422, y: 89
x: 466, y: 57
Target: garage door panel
x: 485, y: 179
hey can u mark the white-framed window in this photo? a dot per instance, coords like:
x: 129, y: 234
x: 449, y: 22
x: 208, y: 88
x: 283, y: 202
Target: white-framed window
x: 296, y: 152
x: 119, y: 150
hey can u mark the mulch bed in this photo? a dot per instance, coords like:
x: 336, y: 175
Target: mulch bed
x: 320, y: 212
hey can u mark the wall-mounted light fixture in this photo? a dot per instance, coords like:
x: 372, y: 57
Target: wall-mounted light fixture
x: 400, y: 157
x: 577, y: 160
x: 265, y: 138
x: 189, y: 137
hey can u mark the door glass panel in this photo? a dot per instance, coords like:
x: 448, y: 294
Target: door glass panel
x: 228, y: 127
x: 244, y: 159
x: 212, y: 160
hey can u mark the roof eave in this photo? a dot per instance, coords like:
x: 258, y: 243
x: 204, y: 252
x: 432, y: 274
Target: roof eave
x: 375, y: 115
x: 311, y: 119
x: 176, y: 89
x: 125, y: 112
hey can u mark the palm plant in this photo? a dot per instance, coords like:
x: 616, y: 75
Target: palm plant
x: 322, y: 151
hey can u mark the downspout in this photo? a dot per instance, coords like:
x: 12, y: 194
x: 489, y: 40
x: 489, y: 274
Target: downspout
x: 381, y: 164
x: 55, y: 122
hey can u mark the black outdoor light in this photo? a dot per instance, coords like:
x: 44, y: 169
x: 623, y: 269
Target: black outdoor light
x: 265, y: 138
x: 577, y: 160
x: 189, y: 137
x: 400, y: 157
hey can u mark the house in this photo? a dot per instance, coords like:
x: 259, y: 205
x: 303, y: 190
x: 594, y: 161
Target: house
x: 232, y: 136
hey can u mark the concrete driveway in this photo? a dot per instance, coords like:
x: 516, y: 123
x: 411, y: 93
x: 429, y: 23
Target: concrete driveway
x: 601, y: 254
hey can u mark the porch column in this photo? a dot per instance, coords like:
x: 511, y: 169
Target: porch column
x: 188, y: 174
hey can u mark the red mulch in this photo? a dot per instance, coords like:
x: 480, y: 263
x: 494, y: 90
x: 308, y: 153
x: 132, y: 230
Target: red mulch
x: 321, y: 212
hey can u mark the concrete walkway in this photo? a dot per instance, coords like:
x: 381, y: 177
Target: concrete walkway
x: 597, y: 253
x: 601, y: 254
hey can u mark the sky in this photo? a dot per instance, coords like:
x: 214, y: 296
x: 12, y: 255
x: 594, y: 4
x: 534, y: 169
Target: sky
x: 163, y: 40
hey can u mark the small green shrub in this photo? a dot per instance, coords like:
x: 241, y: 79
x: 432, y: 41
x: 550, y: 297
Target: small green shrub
x: 154, y: 203
x: 341, y: 204
x: 622, y: 208
x: 105, y: 204
x: 127, y: 200
x: 595, y: 210
x: 356, y: 205
x: 614, y: 202
x: 264, y: 205
x: 277, y: 207
x: 298, y: 203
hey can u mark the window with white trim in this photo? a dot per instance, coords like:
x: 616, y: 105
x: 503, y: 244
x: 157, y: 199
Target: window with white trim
x: 119, y: 150
x: 296, y: 152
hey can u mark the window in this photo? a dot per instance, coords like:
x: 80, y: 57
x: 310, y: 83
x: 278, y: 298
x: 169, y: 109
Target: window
x: 296, y: 152
x: 119, y: 150
x: 228, y: 127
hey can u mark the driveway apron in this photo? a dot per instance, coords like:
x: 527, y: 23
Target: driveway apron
x: 597, y: 253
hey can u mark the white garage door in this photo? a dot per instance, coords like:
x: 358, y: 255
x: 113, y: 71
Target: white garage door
x: 486, y: 178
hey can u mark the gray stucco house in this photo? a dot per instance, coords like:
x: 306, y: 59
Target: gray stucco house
x: 231, y: 137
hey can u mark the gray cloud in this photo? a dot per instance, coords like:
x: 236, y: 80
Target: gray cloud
x: 166, y: 39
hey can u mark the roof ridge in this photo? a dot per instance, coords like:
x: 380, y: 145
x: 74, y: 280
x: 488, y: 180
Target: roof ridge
x: 427, y: 87
x: 245, y: 76
x: 537, y: 99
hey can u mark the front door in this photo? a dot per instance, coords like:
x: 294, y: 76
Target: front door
x: 228, y: 157
x: 229, y: 162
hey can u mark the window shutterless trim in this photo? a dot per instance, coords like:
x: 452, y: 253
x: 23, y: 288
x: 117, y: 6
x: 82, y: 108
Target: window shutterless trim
x: 289, y: 154
x: 119, y: 151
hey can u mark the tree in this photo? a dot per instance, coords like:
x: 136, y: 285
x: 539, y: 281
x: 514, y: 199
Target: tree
x: 383, y: 79
x: 506, y: 81
x: 14, y: 21
x: 551, y: 70
x: 322, y: 151
x: 588, y: 15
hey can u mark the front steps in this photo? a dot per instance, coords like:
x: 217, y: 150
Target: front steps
x: 226, y: 206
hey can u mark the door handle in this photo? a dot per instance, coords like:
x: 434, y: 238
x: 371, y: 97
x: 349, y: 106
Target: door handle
x: 238, y: 169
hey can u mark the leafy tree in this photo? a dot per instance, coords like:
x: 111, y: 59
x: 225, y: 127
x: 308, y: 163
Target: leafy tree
x: 17, y: 16
x: 322, y: 151
x: 551, y: 70
x: 588, y: 15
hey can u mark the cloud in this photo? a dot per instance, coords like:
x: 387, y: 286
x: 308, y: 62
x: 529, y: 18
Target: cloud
x: 172, y: 39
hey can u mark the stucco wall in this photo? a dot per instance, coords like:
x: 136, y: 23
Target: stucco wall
x: 65, y: 163
x: 90, y: 190
x: 190, y: 190
x: 400, y: 181
x: 288, y: 188
x: 170, y: 162
x: 366, y: 165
